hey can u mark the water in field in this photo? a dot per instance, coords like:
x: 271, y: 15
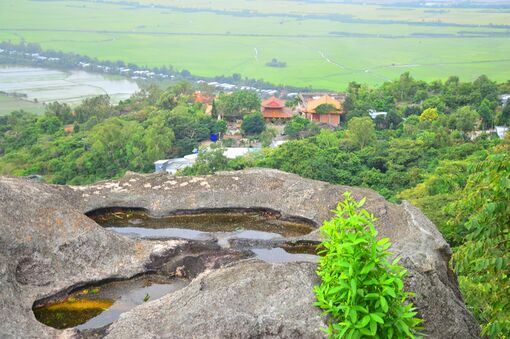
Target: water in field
x: 47, y: 85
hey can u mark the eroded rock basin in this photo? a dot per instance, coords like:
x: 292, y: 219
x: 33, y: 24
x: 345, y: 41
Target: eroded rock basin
x: 97, y: 306
x: 260, y: 234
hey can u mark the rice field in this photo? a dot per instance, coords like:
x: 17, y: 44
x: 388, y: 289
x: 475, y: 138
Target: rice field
x: 325, y: 44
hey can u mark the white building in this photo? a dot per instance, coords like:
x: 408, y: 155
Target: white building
x: 171, y: 166
x: 234, y: 152
x: 374, y: 114
x: 504, y: 99
x: 501, y: 131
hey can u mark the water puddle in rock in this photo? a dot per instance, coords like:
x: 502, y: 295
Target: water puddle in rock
x: 304, y: 247
x: 95, y: 307
x: 261, y: 225
x: 279, y: 255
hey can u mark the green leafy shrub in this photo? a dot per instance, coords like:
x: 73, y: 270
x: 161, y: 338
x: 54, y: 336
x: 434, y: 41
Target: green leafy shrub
x: 361, y: 290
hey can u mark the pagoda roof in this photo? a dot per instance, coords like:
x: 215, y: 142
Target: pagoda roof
x: 273, y: 102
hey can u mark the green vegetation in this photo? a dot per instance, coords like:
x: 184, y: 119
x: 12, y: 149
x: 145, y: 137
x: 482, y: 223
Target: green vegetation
x: 469, y: 200
x: 482, y: 261
x: 253, y: 124
x: 325, y: 109
x: 361, y: 289
x: 107, y: 140
x: 300, y: 127
x: 325, y: 45
x: 208, y: 162
x: 236, y: 105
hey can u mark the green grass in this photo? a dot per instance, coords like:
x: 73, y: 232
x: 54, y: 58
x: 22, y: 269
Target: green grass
x: 9, y: 104
x: 210, y: 44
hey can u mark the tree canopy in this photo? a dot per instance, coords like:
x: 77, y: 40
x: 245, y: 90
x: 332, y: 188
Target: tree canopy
x: 237, y: 104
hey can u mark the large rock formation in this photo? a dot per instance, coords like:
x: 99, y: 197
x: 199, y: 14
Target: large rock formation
x: 47, y: 246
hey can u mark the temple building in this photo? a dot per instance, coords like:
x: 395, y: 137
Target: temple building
x: 323, y: 108
x: 275, y: 109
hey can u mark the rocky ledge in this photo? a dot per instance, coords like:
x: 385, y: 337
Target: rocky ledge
x: 48, y: 247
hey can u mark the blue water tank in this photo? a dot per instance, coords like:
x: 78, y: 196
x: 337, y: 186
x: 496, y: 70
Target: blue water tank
x: 213, y: 137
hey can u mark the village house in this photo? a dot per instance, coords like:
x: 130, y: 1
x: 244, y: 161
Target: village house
x: 275, y: 109
x: 311, y: 101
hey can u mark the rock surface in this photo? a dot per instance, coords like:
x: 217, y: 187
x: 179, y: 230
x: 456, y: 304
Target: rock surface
x: 47, y: 245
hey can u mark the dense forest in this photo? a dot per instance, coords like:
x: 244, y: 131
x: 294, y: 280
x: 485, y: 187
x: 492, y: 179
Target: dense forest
x: 430, y: 149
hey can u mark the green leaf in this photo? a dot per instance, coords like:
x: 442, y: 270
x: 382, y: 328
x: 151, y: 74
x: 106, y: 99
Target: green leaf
x: 373, y: 327
x: 384, y: 304
x: 362, y: 202
x: 372, y: 296
x: 353, y: 288
x: 364, y: 322
x: 383, y: 241
x: 354, y: 315
x: 390, y: 291
x: 377, y: 318
x: 367, y: 268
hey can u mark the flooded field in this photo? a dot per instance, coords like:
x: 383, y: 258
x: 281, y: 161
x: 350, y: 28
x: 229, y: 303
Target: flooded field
x: 46, y: 85
x: 95, y: 307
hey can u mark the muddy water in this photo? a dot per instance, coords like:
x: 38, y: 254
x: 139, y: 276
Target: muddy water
x: 203, y: 226
x: 95, y: 307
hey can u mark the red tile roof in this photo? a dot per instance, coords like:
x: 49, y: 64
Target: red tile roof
x: 273, y: 102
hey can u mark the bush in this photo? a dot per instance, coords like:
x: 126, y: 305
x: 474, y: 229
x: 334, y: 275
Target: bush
x: 253, y: 124
x: 294, y: 127
x: 276, y: 63
x: 361, y: 290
